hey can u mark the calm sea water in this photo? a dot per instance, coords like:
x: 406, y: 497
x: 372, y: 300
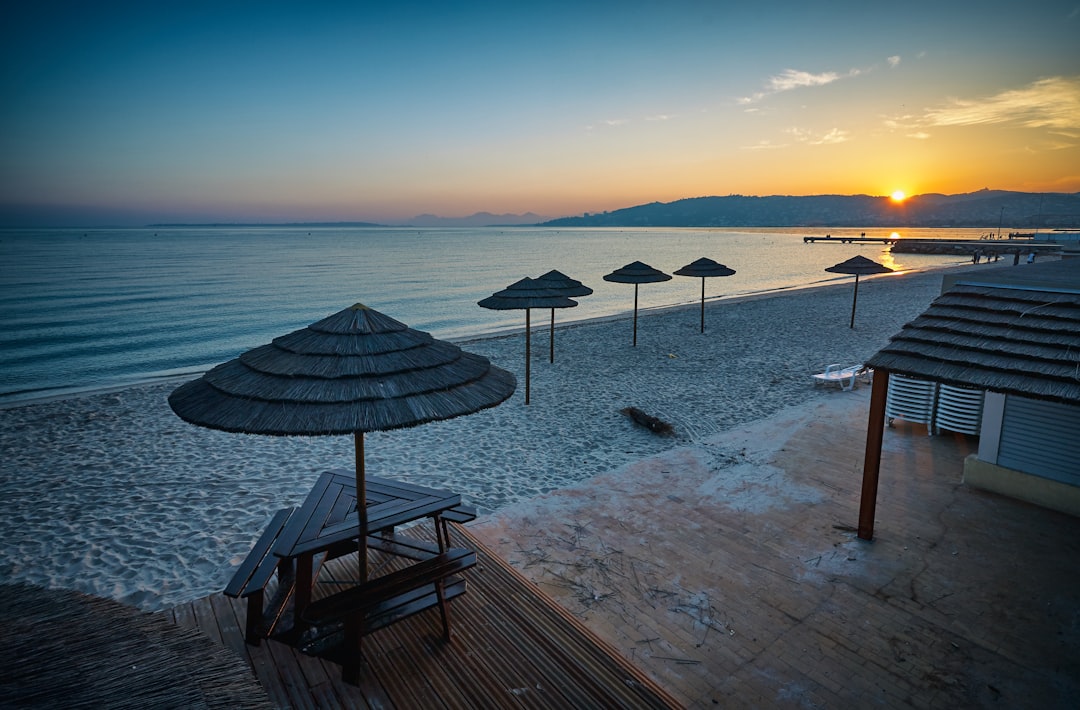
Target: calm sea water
x: 92, y: 308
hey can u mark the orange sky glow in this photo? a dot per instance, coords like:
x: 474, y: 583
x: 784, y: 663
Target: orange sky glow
x: 378, y: 114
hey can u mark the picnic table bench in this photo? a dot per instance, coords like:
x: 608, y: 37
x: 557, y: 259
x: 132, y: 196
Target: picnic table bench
x: 358, y: 611
x: 254, y: 573
x: 297, y: 541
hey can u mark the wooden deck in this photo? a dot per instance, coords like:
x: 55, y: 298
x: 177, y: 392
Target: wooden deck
x: 512, y: 647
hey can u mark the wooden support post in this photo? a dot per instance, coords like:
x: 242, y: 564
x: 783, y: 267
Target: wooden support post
x: 854, y: 300
x: 702, y: 304
x: 875, y: 428
x: 551, y: 356
x: 635, y: 314
x: 528, y: 355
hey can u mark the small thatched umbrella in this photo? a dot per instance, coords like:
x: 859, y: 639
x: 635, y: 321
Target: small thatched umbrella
x: 353, y: 372
x: 526, y: 294
x: 859, y: 266
x: 636, y: 273
x: 558, y: 281
x: 704, y: 268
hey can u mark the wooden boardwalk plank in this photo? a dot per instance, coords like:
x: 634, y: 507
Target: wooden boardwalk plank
x: 511, y: 647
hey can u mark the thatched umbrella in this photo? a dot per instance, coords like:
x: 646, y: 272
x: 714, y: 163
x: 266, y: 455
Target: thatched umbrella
x: 353, y: 372
x: 526, y: 294
x: 704, y: 268
x: 636, y: 273
x: 859, y: 266
x: 64, y: 649
x: 558, y: 281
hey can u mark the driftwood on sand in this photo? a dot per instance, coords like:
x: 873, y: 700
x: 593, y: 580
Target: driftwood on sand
x: 650, y: 422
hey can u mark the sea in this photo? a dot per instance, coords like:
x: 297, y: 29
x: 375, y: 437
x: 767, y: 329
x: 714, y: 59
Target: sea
x: 88, y: 309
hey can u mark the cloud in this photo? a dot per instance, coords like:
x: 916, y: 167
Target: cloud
x: 1052, y: 103
x: 795, y: 79
x: 894, y: 60
x: 608, y: 123
x: 792, y: 79
x: 764, y: 145
x: 660, y: 117
x: 835, y: 135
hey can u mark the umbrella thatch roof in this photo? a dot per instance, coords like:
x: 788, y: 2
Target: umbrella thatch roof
x: 63, y: 649
x: 565, y: 285
x: 637, y: 272
x: 859, y: 266
x: 527, y: 293
x: 705, y: 268
x: 355, y: 371
x: 1013, y: 340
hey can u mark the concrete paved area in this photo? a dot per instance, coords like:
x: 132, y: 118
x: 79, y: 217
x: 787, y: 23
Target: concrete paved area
x: 730, y: 572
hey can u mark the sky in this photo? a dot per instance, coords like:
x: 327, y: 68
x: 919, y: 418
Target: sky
x: 136, y: 113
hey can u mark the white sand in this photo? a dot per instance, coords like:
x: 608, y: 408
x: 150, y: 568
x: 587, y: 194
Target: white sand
x: 114, y: 495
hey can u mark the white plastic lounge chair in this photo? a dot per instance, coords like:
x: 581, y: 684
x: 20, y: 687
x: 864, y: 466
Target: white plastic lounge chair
x: 843, y: 376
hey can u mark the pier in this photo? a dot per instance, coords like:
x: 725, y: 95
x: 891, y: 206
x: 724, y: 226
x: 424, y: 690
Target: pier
x: 850, y: 240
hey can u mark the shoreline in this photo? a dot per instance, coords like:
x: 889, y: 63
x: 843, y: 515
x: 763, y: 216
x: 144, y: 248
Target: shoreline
x: 20, y: 399
x: 112, y: 494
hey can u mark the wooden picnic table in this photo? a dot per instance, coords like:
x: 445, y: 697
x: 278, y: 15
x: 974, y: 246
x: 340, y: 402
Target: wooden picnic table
x: 328, y: 521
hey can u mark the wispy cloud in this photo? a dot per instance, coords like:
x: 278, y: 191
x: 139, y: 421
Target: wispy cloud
x: 835, y: 135
x: 894, y: 61
x: 790, y: 79
x: 660, y: 117
x: 1052, y: 103
x: 764, y: 145
x: 608, y: 123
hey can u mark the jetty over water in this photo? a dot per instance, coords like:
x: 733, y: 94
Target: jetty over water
x: 851, y: 240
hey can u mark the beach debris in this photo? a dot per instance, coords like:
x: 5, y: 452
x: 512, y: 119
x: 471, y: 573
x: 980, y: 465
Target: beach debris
x: 650, y: 422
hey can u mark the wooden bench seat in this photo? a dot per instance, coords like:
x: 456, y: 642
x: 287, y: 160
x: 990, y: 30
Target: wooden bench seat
x: 382, y: 601
x: 254, y: 573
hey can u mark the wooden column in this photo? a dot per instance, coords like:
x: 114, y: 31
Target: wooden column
x: 875, y: 429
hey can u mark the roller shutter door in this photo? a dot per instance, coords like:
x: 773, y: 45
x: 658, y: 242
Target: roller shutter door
x: 1041, y: 438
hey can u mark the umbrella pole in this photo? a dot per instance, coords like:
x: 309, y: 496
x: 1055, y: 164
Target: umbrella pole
x: 702, y: 304
x: 361, y: 504
x: 552, y: 356
x: 528, y: 355
x: 635, y: 314
x: 854, y: 300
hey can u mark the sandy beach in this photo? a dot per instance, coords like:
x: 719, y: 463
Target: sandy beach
x: 112, y: 494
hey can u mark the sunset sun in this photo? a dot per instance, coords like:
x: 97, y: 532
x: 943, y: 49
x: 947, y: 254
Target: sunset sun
x: 898, y: 196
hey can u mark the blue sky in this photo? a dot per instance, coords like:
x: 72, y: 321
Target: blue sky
x: 134, y: 113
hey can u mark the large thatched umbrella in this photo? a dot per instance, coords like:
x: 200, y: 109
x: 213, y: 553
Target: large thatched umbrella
x: 558, y: 281
x: 526, y: 294
x: 353, y: 372
x: 859, y: 266
x: 704, y: 268
x: 636, y: 273
x: 63, y: 649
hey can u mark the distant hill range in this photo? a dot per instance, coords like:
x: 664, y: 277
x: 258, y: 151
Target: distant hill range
x: 480, y: 219
x: 985, y: 208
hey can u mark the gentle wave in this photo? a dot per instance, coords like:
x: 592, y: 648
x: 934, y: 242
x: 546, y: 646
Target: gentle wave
x: 97, y: 308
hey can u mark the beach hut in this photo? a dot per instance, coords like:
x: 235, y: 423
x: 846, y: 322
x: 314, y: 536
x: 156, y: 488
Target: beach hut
x: 704, y: 268
x: 526, y: 294
x: 1013, y: 336
x: 858, y: 266
x: 355, y: 371
x: 572, y: 288
x: 636, y: 273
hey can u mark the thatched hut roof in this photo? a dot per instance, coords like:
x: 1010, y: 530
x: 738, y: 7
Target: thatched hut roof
x: 558, y: 281
x: 637, y: 272
x: 1020, y: 335
x: 527, y: 293
x: 705, y: 268
x: 355, y: 371
x: 859, y: 266
x: 64, y: 649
